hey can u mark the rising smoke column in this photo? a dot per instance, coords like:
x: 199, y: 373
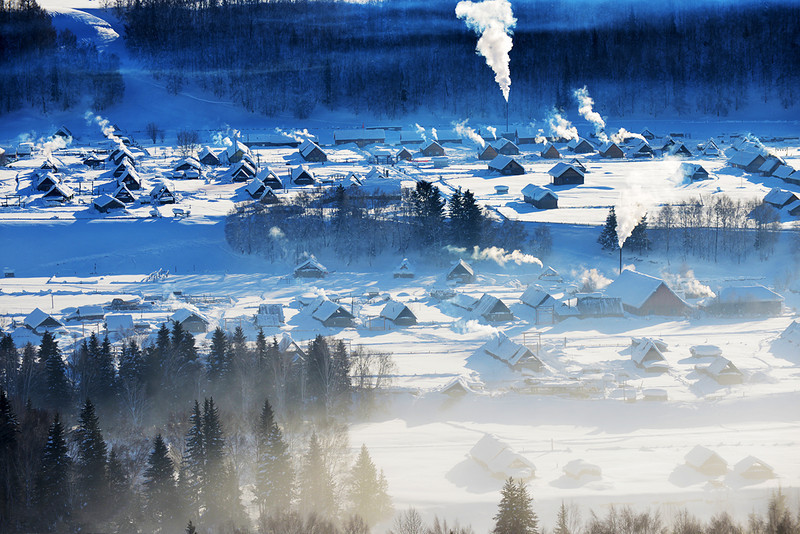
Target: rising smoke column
x: 585, y: 105
x: 463, y: 130
x: 493, y: 20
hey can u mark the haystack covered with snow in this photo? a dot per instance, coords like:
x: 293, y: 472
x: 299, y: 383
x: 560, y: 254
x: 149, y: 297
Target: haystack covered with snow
x: 705, y: 351
x: 501, y: 460
x: 578, y: 469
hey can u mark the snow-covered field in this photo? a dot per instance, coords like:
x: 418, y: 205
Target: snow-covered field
x: 580, y: 407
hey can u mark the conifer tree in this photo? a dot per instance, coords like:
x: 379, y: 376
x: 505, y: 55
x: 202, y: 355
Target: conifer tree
x: 160, y: 491
x: 121, y: 501
x: 218, y: 355
x: 9, y: 364
x: 639, y: 240
x: 193, y: 472
x: 57, y: 391
x: 274, y: 473
x: 562, y: 526
x: 316, y: 483
x: 515, y: 514
x: 473, y: 220
x: 608, y: 238
x: 52, y: 495
x: 91, y: 464
x: 427, y: 207
x: 30, y: 374
x: 368, y: 490
x: 11, y: 502
x: 455, y: 211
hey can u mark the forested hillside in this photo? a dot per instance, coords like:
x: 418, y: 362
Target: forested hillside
x: 393, y: 58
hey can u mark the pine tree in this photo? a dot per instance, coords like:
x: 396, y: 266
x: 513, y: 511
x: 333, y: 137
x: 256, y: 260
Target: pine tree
x: 473, y: 220
x: 608, y: 238
x: 193, y: 469
x: 218, y: 355
x: 562, y: 526
x: 428, y: 210
x: 57, y: 391
x: 121, y: 500
x: 316, y: 484
x: 92, y: 464
x: 367, y: 490
x: 11, y: 502
x: 31, y: 374
x: 214, y: 446
x: 9, y: 364
x: 274, y: 473
x: 639, y: 240
x: 515, y: 514
x: 52, y: 495
x: 160, y: 491
x: 455, y: 210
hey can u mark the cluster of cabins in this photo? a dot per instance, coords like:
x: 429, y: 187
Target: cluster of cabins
x: 704, y: 461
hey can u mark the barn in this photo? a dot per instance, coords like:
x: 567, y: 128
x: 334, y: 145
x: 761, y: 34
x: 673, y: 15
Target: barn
x: 784, y: 172
x: 506, y: 165
x: 59, y: 193
x: 302, y: 175
x: 432, y: 148
x: 648, y: 134
x: 540, y: 197
x: 611, y: 150
x: 506, y: 147
x: 398, y: 313
x: 207, y: 157
x: 403, y: 154
x: 770, y: 165
x: 123, y: 194
x: 331, y: 314
x: 268, y: 196
x: 642, y: 294
x: 575, y: 162
x: 411, y: 137
x: 565, y: 174
x: 691, y: 172
x: 710, y: 149
x: 310, y: 268
x: 122, y: 167
x: 527, y: 135
x: 753, y: 469
x: 86, y: 313
x: 461, y: 273
x: 579, y: 145
x: 748, y: 300
x: 190, y: 321
x: 599, y: 306
x: 310, y: 151
x: 513, y: 354
x: 121, y: 153
x: 361, y: 137
x: 747, y: 160
x: 780, y: 198
x: 706, y: 461
x: 188, y: 164
x: 488, y: 153
x: 550, y: 152
x: 680, y: 150
x: 106, y: 203
x: 492, y: 309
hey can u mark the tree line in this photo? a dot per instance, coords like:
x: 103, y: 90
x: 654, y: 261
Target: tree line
x: 719, y: 228
x: 353, y: 224
x: 50, y: 70
x: 280, y: 57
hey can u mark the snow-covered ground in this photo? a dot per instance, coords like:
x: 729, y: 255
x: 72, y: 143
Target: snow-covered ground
x: 70, y: 255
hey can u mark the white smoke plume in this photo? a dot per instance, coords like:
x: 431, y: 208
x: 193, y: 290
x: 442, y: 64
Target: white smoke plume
x: 472, y: 326
x: 493, y: 20
x: 466, y: 132
x: 585, y: 105
x: 624, y: 134
x: 492, y: 130
x: 276, y: 233
x: 55, y: 142
x: 630, y: 209
x: 105, y: 126
x: 592, y: 280
x: 501, y: 257
x: 434, y: 134
x: 540, y: 139
x: 561, y: 127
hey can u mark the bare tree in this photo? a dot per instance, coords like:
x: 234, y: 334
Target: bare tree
x: 408, y: 522
x: 152, y: 131
x: 188, y: 142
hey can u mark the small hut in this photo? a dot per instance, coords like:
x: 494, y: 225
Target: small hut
x: 404, y: 270
x: 506, y: 147
x: 432, y: 148
x: 461, y: 273
x: 106, y: 203
x: 492, y: 309
x: 706, y: 461
x: 302, y: 175
x: 310, y: 151
x: 579, y: 145
x: 540, y: 197
x: 566, y: 174
x: 190, y: 321
x: 488, y: 153
x: 398, y: 313
x: 506, y: 165
x: 310, y: 268
x: 550, y: 152
x: 611, y: 150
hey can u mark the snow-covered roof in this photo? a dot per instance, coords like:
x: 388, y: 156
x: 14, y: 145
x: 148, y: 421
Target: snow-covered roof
x: 286, y: 344
x: 461, y: 264
x: 490, y: 304
x: 752, y: 467
x: 779, y: 197
x: 783, y: 172
x: 746, y: 294
x: 462, y: 300
x: 608, y: 145
x: 576, y: 141
x: 161, y: 187
x: 105, y: 201
x: 411, y: 136
x: 405, y: 267
x: 300, y: 169
x: 500, y: 162
x: 550, y: 274
x: 326, y: 308
x: 792, y: 333
x: 744, y: 158
x: 579, y: 468
x: 311, y: 263
x: 502, y: 348
x: 535, y: 296
x: 182, y: 314
x: 37, y: 317
x: 457, y: 385
x: 430, y: 143
x: 118, y: 322
x: 634, y: 288
x: 487, y: 448
x: 59, y: 191
x: 254, y: 187
x: 205, y: 152
x: 703, y: 351
x: 500, y: 459
x: 700, y: 456
x: 722, y: 366
x: 236, y: 146
x: 646, y: 353
x: 393, y: 309
x: 687, y: 170
x: 537, y: 192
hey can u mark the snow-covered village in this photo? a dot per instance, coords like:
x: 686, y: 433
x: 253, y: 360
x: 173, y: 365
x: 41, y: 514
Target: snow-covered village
x: 506, y: 316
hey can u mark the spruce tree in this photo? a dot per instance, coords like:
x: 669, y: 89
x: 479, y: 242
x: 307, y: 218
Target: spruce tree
x: 121, y: 500
x: 57, y: 391
x: 11, y: 502
x: 473, y: 220
x: 131, y: 364
x: 9, y: 364
x: 608, y: 238
x: 367, y: 490
x: 160, y: 491
x: 214, y: 446
x: 92, y: 464
x: 218, y: 355
x: 515, y: 514
x: 428, y: 210
x: 193, y: 469
x: 562, y: 526
x: 52, y: 495
x: 30, y: 374
x: 455, y: 211
x: 639, y: 240
x: 316, y: 483
x: 274, y: 473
